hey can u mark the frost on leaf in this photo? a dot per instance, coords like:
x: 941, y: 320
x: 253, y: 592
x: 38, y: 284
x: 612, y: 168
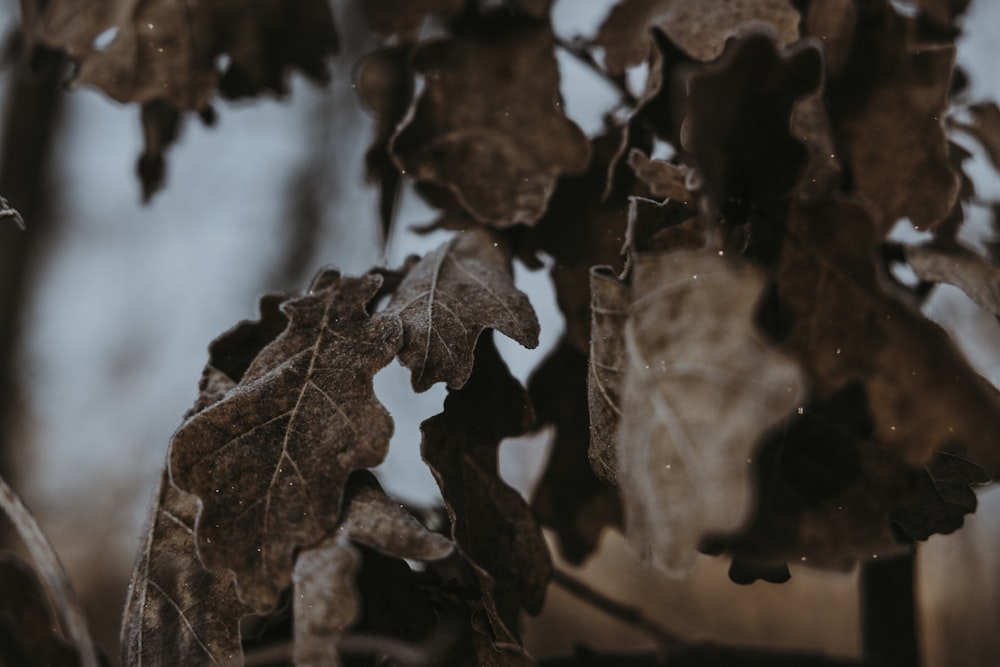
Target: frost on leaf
x: 488, y: 125
x: 977, y: 276
x: 449, y: 298
x: 177, y: 612
x: 325, y: 600
x: 270, y: 460
x: 844, y: 328
x: 699, y: 27
x: 492, y: 525
x: 701, y: 387
x: 28, y: 630
x: 887, y: 107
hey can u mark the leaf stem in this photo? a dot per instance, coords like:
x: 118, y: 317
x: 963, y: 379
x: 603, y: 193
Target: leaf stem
x: 53, y: 573
x: 631, y: 616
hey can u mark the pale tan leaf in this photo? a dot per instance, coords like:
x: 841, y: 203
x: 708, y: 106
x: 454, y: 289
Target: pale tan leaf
x: 978, y: 277
x: 701, y: 388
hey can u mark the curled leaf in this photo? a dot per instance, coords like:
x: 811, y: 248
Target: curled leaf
x: 448, y: 299
x: 270, y: 460
x: 978, y: 277
x: 488, y: 124
x: 701, y: 388
x: 699, y: 27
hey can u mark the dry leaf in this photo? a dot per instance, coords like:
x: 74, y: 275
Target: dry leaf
x: 887, y: 107
x: 943, y: 12
x: 977, y: 276
x: 659, y: 227
x: 944, y: 496
x: 701, y: 388
x: 570, y: 498
x: 739, y: 121
x: 403, y: 19
x: 832, y: 23
x: 270, y: 460
x: 449, y: 298
x: 488, y: 125
x: 985, y: 127
x: 177, y: 612
x: 699, y: 27
x: 326, y: 601
x: 492, y: 526
x: 609, y: 308
x: 664, y: 179
x: 845, y: 328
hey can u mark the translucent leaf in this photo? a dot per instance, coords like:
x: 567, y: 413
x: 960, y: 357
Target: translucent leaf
x: 701, y: 388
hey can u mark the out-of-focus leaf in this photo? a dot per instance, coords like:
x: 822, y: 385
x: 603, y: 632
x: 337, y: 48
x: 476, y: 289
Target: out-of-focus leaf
x: 656, y: 227
x: 701, y: 388
x: 844, y: 328
x: 569, y: 497
x: 270, y: 460
x: 492, y: 526
x: 609, y: 309
x: 832, y: 22
x: 811, y: 126
x: 943, y: 496
x: 488, y: 124
x: 664, y: 179
x: 161, y: 125
x: 403, y: 19
x: 28, y: 634
x: 985, y: 127
x: 8, y: 212
x: 887, y: 107
x: 739, y: 119
x: 177, y: 612
x: 385, y: 85
x: 699, y: 27
x: 536, y: 8
x: 943, y: 12
x: 978, y: 277
x: 449, y: 298
x: 325, y: 601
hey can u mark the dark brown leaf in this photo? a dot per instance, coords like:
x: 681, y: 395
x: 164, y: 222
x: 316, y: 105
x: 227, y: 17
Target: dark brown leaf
x: 177, y: 612
x: 844, y: 328
x: 449, y: 298
x: 656, y: 227
x: 943, y: 496
x: 570, y: 498
x: 28, y: 634
x: 832, y: 22
x: 270, y: 460
x: 699, y: 27
x: 664, y: 179
x: 977, y: 276
x: 887, y: 107
x: 488, y: 124
x: 701, y: 387
x: 491, y: 524
x: 609, y: 308
x: 326, y: 601
x: 739, y: 121
x: 943, y: 12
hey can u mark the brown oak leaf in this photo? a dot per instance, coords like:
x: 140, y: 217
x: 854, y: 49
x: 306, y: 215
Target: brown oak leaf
x: 270, y: 460
x: 492, y: 525
x: 448, y: 299
x: 488, y: 125
x: 177, y: 612
x: 845, y: 328
x: 326, y: 601
x: 609, y: 309
x: 403, y: 19
x: 670, y: 181
x: 943, y: 498
x: 887, y: 107
x: 699, y: 27
x: 984, y: 125
x: 701, y: 388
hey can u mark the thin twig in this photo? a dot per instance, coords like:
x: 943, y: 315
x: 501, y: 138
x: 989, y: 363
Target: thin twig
x: 628, y: 615
x: 51, y: 569
x: 579, y: 52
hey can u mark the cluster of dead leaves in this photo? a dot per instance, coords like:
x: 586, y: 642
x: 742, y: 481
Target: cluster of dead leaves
x: 739, y: 373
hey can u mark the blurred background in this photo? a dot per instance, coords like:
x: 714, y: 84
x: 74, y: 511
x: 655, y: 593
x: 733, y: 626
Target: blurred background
x: 107, y: 308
